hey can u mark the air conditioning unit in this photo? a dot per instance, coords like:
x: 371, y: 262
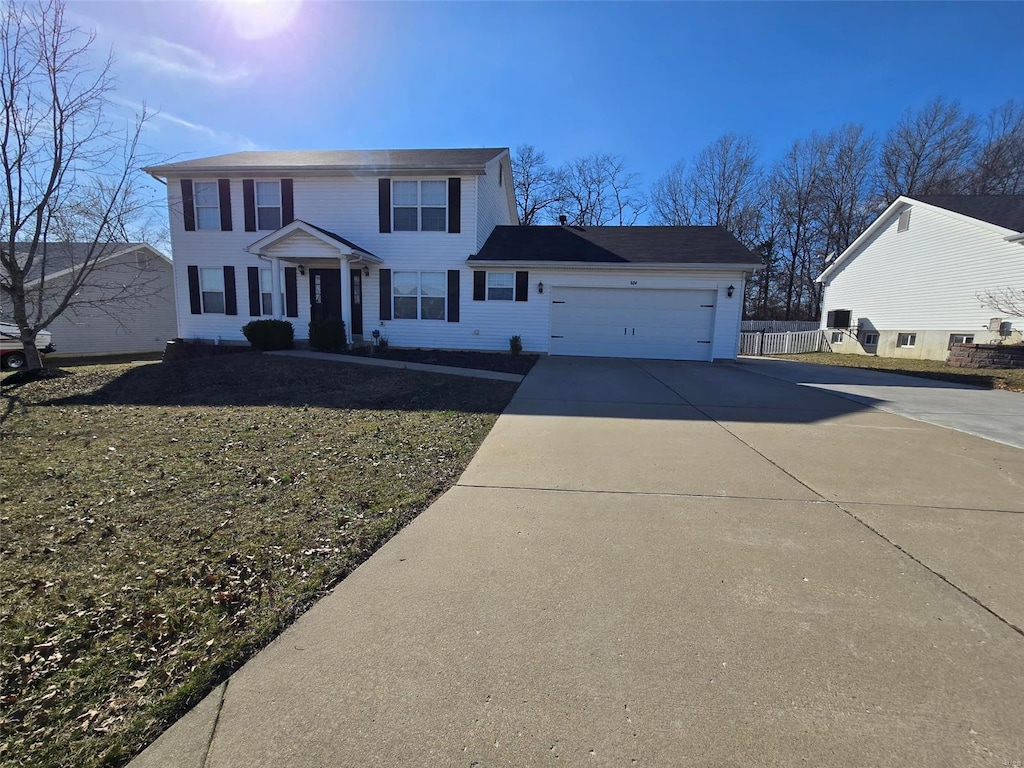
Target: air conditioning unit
x: 839, y: 318
x: 1005, y: 328
x: 995, y: 323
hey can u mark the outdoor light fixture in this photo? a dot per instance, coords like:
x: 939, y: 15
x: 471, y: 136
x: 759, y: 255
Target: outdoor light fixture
x: 729, y: 291
x: 540, y: 287
x: 302, y: 271
x: 366, y: 271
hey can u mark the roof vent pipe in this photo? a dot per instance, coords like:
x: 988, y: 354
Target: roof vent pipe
x: 563, y: 219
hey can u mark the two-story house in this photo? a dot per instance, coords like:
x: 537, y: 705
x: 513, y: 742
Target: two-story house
x: 424, y: 247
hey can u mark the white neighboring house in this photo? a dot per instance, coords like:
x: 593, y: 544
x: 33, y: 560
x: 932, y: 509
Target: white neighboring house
x: 423, y: 247
x: 909, y: 285
x: 125, y: 307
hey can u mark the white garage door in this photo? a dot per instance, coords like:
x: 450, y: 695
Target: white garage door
x: 613, y: 322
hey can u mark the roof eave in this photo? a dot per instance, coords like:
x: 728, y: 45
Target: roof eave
x: 735, y: 266
x: 176, y: 171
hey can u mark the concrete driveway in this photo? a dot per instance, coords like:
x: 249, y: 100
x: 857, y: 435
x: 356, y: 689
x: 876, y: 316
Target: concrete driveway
x: 664, y: 564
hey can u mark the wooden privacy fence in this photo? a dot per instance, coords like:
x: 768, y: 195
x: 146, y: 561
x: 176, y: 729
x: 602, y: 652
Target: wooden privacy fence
x: 778, y: 326
x: 788, y: 343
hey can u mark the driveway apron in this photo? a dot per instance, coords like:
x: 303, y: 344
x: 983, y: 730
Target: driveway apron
x: 661, y: 564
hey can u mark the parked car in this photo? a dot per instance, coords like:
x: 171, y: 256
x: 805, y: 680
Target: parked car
x: 12, y: 353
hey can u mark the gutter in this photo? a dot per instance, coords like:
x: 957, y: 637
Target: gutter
x: 645, y: 267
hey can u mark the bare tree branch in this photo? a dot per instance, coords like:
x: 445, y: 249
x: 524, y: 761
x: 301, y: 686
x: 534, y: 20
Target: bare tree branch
x: 536, y: 184
x: 1006, y: 301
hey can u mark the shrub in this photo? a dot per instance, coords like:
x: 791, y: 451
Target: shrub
x: 327, y: 335
x: 515, y: 345
x: 267, y: 335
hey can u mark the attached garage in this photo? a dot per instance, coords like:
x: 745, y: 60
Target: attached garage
x: 640, y: 323
x: 663, y: 293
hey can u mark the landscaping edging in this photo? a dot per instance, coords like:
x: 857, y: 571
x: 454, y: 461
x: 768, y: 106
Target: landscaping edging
x: 179, y: 349
x: 986, y: 356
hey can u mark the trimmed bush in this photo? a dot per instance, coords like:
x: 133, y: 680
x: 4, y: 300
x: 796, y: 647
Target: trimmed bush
x: 267, y: 335
x: 515, y: 345
x: 327, y: 335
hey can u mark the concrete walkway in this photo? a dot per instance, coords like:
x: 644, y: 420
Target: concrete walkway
x: 426, y: 367
x: 664, y: 564
x: 989, y: 413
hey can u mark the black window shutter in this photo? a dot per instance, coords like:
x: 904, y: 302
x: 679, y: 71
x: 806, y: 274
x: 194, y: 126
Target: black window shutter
x: 385, y: 294
x: 287, y: 202
x: 291, y: 292
x: 249, y: 202
x: 384, y: 204
x: 453, y: 295
x: 193, y: 291
x: 479, y: 286
x: 230, y: 296
x: 522, y: 286
x: 188, y: 205
x: 455, y: 205
x: 255, y: 304
x: 224, y: 192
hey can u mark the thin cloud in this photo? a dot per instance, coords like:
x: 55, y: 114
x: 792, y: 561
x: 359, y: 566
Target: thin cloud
x: 236, y: 140
x: 165, y: 58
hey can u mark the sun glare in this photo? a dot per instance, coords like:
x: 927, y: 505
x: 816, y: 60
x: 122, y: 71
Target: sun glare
x: 260, y: 19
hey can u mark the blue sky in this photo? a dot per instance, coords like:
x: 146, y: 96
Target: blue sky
x: 653, y: 82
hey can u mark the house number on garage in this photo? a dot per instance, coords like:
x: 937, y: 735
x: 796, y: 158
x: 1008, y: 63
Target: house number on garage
x: 632, y: 282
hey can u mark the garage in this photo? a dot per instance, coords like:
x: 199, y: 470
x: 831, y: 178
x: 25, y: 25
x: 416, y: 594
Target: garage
x: 640, y: 323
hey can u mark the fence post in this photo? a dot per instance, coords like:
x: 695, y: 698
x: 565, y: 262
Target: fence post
x: 787, y: 343
x: 760, y: 344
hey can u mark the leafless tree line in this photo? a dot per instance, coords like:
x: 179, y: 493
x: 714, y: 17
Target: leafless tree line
x: 803, y: 208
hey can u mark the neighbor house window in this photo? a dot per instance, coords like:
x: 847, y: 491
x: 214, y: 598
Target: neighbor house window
x: 870, y: 339
x: 837, y: 337
x: 207, y: 202
x: 906, y: 340
x: 418, y: 295
x: 904, y: 222
x: 211, y: 282
x: 420, y: 206
x: 960, y: 338
x: 501, y: 286
x: 268, y: 204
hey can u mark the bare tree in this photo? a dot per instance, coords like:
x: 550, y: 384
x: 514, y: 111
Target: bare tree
x: 536, y: 184
x: 999, y: 165
x: 70, y: 170
x: 844, y: 187
x: 671, y: 204
x: 724, y: 186
x: 596, y: 190
x: 1006, y: 301
x: 928, y: 152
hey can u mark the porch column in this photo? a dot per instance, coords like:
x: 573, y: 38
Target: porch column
x: 275, y: 288
x: 346, y: 297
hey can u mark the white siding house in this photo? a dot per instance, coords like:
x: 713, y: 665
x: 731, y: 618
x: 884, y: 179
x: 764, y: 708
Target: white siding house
x: 909, y: 285
x: 424, y: 247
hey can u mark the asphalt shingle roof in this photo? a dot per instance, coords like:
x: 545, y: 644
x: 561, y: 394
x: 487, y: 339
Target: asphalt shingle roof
x: 365, y: 160
x: 1001, y: 210
x: 62, y: 256
x: 616, y: 245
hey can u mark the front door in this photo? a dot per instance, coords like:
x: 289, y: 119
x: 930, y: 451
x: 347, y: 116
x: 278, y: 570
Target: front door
x: 325, y: 294
x: 357, y: 302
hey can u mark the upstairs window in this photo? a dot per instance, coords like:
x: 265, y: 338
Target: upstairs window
x: 501, y: 286
x: 211, y: 282
x: 418, y: 295
x: 419, y: 206
x: 268, y: 205
x: 207, y: 203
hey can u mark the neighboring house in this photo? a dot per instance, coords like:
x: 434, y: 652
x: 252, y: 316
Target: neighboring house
x: 423, y: 247
x: 909, y: 285
x: 126, y: 305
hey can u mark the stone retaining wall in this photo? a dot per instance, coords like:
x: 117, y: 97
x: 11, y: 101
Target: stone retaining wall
x: 987, y: 356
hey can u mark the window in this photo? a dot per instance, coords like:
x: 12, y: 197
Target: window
x: 420, y: 206
x: 870, y: 339
x: 904, y: 223
x: 267, y: 293
x: 207, y: 202
x: 501, y: 286
x: 268, y: 204
x: 837, y: 337
x: 418, y: 295
x: 960, y: 338
x: 906, y: 340
x: 211, y: 282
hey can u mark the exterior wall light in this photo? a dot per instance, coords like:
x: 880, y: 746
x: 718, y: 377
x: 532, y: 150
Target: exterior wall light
x: 730, y: 290
x: 540, y: 287
x: 366, y: 271
x: 302, y: 269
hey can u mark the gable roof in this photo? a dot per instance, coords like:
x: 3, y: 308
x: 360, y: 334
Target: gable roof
x: 615, y: 245
x: 984, y: 207
x: 65, y: 257
x: 324, y: 235
x: 1002, y: 210
x: 355, y: 161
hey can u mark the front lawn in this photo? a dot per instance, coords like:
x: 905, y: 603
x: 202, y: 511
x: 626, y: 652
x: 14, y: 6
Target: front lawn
x: 161, y: 523
x: 992, y: 378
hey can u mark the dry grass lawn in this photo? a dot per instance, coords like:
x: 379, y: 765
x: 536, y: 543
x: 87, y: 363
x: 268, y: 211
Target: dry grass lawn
x: 160, y: 523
